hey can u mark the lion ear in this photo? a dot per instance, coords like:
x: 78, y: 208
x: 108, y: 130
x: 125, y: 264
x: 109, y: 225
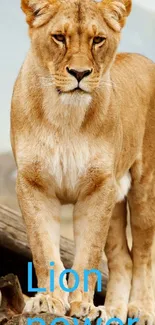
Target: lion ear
x: 36, y: 11
x: 116, y: 12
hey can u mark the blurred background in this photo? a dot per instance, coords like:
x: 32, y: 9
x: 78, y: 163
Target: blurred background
x: 138, y: 36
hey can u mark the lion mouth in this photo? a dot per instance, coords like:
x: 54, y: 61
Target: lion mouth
x: 75, y: 90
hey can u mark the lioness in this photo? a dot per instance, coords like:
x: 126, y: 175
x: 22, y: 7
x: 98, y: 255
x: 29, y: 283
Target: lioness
x: 83, y: 132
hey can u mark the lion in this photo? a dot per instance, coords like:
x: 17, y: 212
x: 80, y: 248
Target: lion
x: 82, y: 132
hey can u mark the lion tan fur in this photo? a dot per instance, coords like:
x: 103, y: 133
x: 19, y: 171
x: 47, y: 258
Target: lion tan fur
x: 93, y: 147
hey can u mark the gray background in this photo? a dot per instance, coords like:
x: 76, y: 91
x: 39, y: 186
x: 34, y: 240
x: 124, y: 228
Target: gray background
x: 138, y: 36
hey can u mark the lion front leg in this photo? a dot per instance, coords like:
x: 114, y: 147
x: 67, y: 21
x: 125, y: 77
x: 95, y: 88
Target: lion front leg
x: 42, y: 218
x: 120, y: 265
x: 92, y: 215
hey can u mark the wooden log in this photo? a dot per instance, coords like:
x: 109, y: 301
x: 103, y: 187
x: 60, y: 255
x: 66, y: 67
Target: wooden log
x: 12, y: 301
x: 13, y: 237
x: 48, y: 318
x: 11, y: 293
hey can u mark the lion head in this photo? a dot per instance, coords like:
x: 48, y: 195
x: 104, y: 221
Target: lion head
x: 76, y: 40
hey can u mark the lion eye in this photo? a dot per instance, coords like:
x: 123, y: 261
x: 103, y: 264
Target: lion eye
x: 59, y: 38
x: 98, y: 40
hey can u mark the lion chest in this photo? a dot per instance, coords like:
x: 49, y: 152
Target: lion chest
x: 69, y: 161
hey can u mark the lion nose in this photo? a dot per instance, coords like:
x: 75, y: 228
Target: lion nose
x: 79, y: 75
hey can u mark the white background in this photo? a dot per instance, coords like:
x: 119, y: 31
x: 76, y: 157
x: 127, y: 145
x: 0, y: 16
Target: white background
x: 138, y: 36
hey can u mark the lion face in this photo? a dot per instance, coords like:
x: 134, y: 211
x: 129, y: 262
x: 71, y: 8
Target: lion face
x: 76, y: 40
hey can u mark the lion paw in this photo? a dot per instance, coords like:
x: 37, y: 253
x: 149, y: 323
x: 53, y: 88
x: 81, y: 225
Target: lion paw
x: 146, y: 314
x: 42, y: 303
x: 117, y: 311
x: 88, y: 310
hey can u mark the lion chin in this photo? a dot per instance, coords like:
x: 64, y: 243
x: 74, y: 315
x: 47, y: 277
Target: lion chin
x: 76, y: 99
